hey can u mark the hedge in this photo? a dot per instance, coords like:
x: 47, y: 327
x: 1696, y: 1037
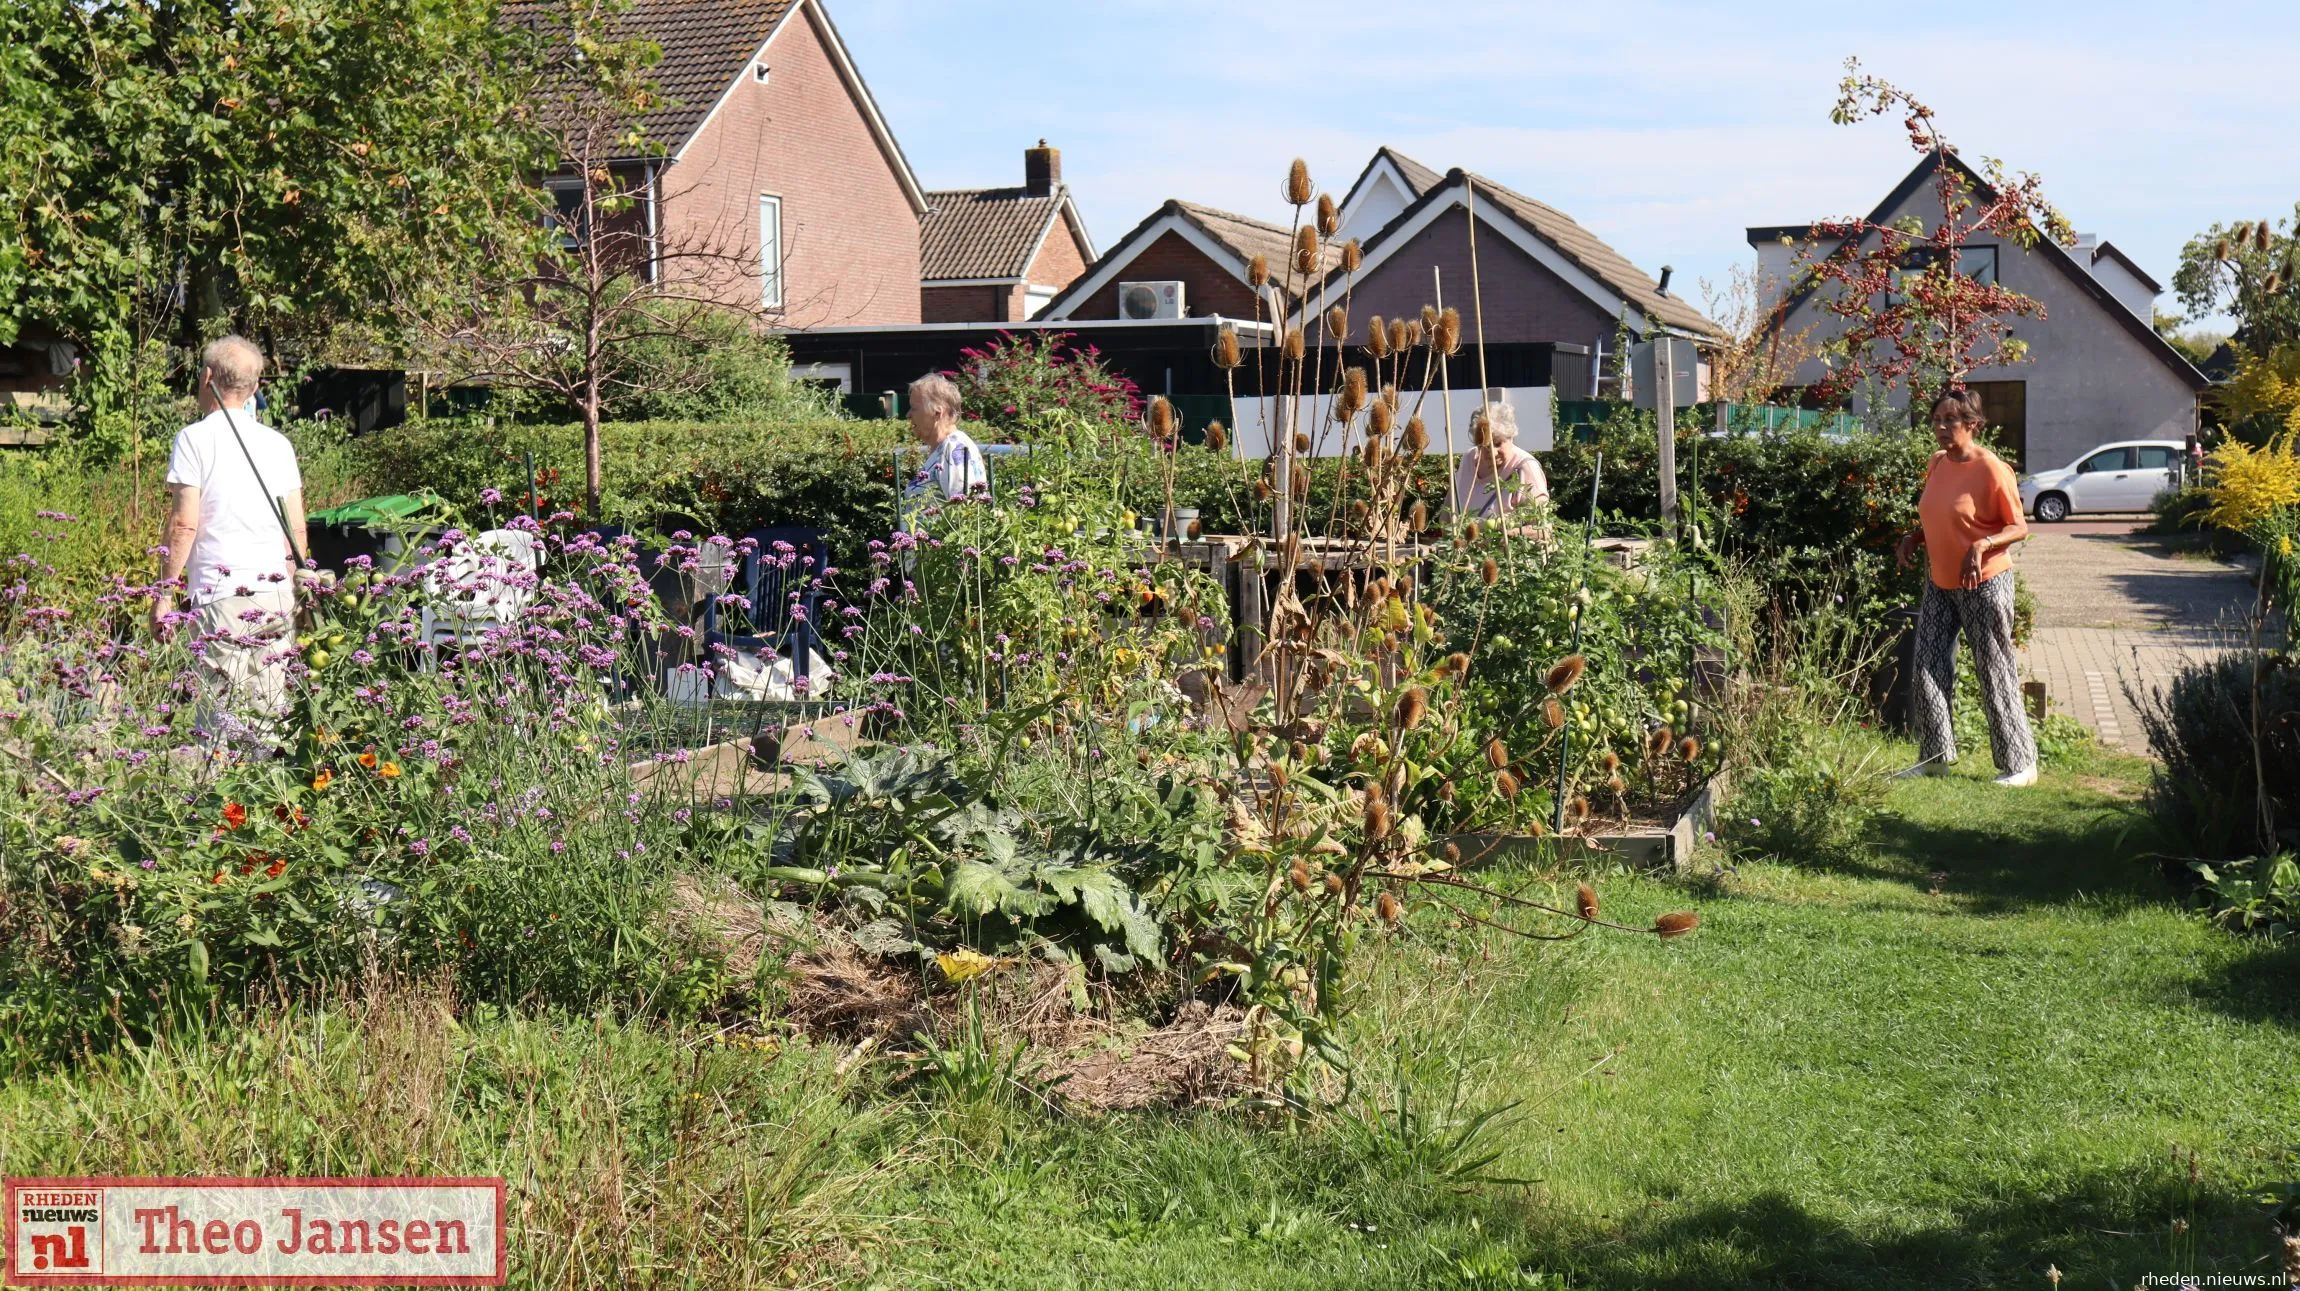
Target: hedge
x: 708, y: 477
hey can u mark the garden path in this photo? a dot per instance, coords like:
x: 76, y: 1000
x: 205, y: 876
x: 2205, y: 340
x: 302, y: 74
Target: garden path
x: 2113, y: 608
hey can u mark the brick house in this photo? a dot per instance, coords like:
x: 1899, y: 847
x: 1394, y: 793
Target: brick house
x: 770, y: 150
x: 1208, y: 251
x: 1543, y: 278
x: 2097, y: 370
x: 998, y: 255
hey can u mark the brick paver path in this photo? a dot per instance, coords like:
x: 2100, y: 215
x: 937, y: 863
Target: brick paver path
x: 2115, y: 607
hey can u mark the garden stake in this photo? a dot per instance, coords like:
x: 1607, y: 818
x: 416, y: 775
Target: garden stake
x: 1580, y: 581
x: 534, y: 508
x: 1445, y: 381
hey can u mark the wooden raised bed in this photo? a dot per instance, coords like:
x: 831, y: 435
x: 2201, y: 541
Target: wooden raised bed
x: 1667, y: 843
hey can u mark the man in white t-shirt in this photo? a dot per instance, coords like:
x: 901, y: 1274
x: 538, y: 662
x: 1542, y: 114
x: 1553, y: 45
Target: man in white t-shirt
x: 227, y: 496
x: 954, y: 467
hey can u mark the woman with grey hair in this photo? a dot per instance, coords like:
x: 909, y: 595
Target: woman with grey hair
x: 954, y: 467
x: 1496, y: 476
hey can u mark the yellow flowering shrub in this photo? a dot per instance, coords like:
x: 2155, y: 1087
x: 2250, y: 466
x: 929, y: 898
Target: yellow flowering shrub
x: 2248, y: 485
x: 2264, y: 390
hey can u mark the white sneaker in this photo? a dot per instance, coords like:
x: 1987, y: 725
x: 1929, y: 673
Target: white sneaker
x: 2018, y: 779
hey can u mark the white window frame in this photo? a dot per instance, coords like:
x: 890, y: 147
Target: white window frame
x: 770, y: 251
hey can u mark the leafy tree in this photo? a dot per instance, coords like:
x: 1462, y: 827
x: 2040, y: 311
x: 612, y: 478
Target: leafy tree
x: 1910, y: 312
x: 2250, y: 269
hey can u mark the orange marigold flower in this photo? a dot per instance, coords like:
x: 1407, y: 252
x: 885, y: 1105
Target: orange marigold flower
x: 219, y: 877
x: 235, y: 815
x: 275, y: 869
x: 367, y: 759
x: 389, y: 770
x: 322, y: 780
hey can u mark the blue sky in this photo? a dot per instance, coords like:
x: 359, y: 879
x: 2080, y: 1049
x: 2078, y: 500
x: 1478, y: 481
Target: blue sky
x: 1665, y: 128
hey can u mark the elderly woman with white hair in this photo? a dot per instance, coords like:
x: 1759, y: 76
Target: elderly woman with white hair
x: 954, y: 467
x: 1496, y: 476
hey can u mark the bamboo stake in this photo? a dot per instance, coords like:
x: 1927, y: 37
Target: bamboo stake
x: 1580, y: 581
x: 1445, y: 380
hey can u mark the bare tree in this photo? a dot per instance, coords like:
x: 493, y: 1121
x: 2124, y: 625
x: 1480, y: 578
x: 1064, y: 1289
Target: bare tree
x: 608, y: 304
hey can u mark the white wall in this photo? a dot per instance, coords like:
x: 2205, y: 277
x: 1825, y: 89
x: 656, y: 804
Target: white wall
x: 2125, y: 287
x: 1379, y: 202
x: 1251, y: 437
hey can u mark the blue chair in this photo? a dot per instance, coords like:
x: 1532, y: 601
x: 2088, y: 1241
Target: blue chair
x: 773, y: 589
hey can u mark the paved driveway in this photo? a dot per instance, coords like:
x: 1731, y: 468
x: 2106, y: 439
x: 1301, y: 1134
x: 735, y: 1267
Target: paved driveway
x: 2115, y: 607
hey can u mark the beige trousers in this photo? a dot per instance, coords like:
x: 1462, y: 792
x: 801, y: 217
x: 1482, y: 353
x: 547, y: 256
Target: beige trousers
x: 244, y: 645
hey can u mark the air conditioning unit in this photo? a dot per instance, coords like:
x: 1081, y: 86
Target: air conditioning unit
x: 1143, y: 300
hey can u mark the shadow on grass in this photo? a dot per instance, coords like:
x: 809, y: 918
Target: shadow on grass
x: 2103, y: 1230
x: 2005, y: 855
x: 2259, y: 987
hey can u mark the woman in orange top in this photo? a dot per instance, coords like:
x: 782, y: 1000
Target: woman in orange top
x: 1971, y: 514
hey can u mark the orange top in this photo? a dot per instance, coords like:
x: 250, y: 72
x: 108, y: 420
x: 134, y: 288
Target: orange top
x: 1963, y: 503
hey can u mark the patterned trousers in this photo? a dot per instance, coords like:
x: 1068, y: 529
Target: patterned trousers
x: 1986, y: 616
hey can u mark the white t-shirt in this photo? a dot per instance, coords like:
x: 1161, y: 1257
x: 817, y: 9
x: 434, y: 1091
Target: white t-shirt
x: 952, y: 470
x: 240, y: 547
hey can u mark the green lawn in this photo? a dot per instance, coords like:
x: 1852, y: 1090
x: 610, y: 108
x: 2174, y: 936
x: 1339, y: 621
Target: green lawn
x: 1843, y: 1080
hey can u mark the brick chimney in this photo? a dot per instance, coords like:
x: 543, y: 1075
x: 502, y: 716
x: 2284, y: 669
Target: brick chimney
x: 1041, y: 169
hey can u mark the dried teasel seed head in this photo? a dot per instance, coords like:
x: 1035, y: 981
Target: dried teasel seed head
x: 1413, y: 706
x: 1446, y: 791
x: 1299, y: 190
x: 1452, y: 852
x: 1414, y: 333
x: 2261, y: 233
x: 1496, y: 753
x: 1352, y: 256
x: 1578, y: 808
x: 1418, y: 519
x: 1397, y: 336
x: 2274, y: 284
x: 1534, y: 827
x: 1217, y: 437
x: 1676, y: 924
x: 1505, y: 784
x: 1377, y: 819
x: 1377, y: 337
x: 1585, y: 901
x: 1301, y: 443
x: 1489, y: 573
x: 1373, y: 452
x: 1390, y: 397
x: 1617, y: 785
x: 1386, y: 905
x: 1334, y: 884
x: 1196, y: 528
x: 1406, y: 585
x: 1226, y: 355
x: 1658, y: 742
x: 1298, y: 874
x: 1429, y: 317
x: 1279, y: 775
x: 1338, y: 325
x: 1306, y: 249
x: 1611, y: 761
x: 1382, y: 418
x: 1262, y: 490
x: 1161, y: 419
x: 1329, y: 215
x: 1457, y: 663
x: 1358, y: 514
x: 1258, y: 272
x: 1301, y: 486
x: 1689, y: 749
x: 1354, y: 387
x: 1552, y: 713
x: 1417, y: 437
x: 1445, y: 338
x: 1567, y: 672
x: 1469, y: 533
x: 2220, y: 250
x: 1294, y: 346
